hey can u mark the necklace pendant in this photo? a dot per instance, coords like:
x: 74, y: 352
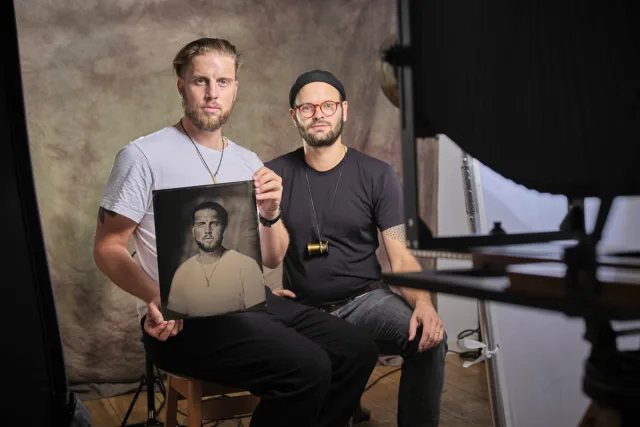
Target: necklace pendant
x: 215, y: 180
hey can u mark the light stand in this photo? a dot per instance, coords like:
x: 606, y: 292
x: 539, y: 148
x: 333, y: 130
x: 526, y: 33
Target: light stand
x: 149, y: 379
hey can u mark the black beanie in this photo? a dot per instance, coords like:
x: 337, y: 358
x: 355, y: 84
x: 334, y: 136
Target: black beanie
x: 315, y: 76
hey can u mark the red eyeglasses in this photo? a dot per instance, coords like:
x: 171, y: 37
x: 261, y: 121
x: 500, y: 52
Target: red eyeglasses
x: 307, y: 110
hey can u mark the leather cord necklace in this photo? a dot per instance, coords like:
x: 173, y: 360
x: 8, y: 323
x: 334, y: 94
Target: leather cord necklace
x: 213, y: 176
x: 313, y: 209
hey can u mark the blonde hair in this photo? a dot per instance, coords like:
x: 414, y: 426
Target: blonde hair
x: 200, y: 47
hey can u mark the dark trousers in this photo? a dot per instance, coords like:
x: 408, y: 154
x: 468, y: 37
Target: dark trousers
x: 308, y: 367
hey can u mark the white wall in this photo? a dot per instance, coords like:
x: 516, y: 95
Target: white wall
x: 457, y: 313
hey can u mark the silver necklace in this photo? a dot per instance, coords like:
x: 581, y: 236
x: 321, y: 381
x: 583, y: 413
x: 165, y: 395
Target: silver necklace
x: 213, y: 176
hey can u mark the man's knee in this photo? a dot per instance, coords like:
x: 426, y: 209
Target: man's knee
x: 434, y: 355
x: 311, y: 370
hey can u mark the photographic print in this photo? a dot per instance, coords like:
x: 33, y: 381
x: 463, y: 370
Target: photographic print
x: 208, y: 246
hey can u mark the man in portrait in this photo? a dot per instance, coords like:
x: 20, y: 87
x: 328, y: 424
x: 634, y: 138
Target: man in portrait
x: 216, y: 279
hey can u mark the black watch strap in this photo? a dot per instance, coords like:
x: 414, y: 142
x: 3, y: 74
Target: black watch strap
x: 269, y: 222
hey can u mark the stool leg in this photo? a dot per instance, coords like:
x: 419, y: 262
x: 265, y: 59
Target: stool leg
x: 171, y: 403
x: 194, y: 404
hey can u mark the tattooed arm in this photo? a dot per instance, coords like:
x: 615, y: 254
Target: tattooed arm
x: 390, y: 221
x: 400, y: 257
x: 402, y: 261
x: 424, y: 313
x: 113, y: 259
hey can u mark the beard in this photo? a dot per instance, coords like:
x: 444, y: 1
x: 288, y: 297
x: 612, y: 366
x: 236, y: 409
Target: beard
x: 209, y: 246
x: 203, y: 121
x: 319, y: 140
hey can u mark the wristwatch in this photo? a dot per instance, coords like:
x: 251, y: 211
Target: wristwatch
x: 269, y: 222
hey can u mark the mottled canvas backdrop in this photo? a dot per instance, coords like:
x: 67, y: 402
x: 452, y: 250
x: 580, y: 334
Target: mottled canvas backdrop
x: 97, y: 74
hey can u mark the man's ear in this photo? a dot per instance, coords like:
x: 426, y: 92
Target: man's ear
x: 292, y: 113
x: 235, y: 93
x: 180, y: 85
x: 345, y: 108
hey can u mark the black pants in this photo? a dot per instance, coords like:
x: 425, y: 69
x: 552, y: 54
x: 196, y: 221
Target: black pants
x: 308, y: 367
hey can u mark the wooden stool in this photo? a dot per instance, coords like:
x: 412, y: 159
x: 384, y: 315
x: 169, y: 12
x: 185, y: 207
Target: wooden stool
x: 178, y: 388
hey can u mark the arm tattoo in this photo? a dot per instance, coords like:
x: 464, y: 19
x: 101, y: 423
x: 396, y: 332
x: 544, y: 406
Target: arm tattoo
x: 396, y: 232
x: 101, y: 213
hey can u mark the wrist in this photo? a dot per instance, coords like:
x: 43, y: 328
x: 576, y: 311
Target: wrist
x: 269, y: 218
x: 271, y: 215
x: 423, y: 300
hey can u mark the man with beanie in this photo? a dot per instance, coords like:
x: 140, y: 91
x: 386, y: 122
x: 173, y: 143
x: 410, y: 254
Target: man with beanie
x: 334, y: 201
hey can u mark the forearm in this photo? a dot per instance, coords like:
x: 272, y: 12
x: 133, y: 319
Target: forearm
x: 274, y: 241
x: 415, y: 297
x: 411, y: 295
x: 118, y: 265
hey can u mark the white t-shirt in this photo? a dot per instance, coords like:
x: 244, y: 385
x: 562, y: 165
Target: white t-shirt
x: 239, y: 285
x: 165, y: 159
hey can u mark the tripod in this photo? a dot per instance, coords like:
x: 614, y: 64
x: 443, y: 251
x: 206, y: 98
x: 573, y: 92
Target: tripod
x: 148, y: 379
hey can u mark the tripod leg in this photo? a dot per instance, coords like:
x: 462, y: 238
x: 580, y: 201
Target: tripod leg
x: 133, y: 402
x: 162, y: 389
x: 151, y: 395
x: 151, y: 398
x: 160, y: 382
x: 149, y: 380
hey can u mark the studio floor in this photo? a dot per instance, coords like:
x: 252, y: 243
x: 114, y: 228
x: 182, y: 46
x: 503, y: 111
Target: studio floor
x: 465, y: 401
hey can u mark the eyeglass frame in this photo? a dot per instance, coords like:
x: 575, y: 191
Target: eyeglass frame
x: 315, y: 108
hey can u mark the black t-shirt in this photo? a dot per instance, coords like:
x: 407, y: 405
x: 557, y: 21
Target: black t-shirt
x: 369, y: 198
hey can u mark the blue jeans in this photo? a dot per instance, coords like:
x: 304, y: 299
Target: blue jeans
x: 386, y: 315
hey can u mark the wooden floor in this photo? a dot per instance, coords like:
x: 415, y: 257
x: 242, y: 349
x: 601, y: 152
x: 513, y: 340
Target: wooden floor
x: 465, y: 401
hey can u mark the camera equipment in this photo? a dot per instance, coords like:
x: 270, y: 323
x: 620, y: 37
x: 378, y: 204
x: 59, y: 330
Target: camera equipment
x: 319, y: 248
x: 545, y: 94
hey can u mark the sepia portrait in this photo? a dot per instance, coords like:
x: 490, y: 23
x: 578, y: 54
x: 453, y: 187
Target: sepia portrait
x: 208, y: 244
